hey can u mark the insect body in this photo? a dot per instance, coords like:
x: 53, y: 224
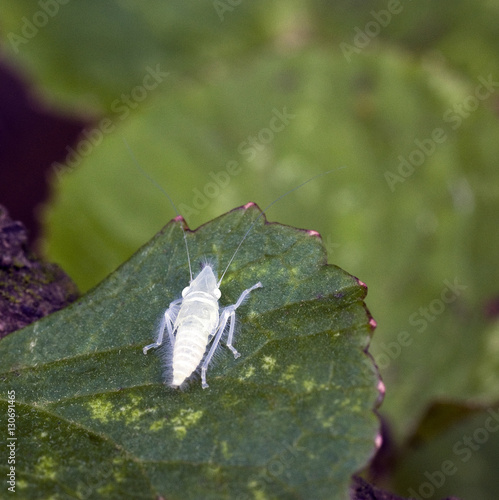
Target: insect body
x: 193, y: 322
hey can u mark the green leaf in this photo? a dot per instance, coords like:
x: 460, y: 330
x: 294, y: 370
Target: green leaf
x: 291, y: 418
x: 103, y: 49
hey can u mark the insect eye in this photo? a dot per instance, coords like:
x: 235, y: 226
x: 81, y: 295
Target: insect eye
x: 185, y: 290
x: 217, y: 293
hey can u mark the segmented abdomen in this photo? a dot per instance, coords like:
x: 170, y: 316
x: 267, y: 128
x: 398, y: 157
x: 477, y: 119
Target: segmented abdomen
x: 196, y: 320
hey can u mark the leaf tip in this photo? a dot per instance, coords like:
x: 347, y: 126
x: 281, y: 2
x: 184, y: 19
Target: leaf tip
x: 183, y: 223
x: 311, y: 232
x: 381, y: 387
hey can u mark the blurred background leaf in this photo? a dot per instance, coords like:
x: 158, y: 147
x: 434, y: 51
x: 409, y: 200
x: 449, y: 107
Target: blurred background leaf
x: 425, y: 243
x: 459, y: 456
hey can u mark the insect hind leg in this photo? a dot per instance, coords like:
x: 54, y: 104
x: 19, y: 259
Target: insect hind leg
x: 243, y: 296
x: 232, y: 315
x: 167, y: 323
x: 228, y: 316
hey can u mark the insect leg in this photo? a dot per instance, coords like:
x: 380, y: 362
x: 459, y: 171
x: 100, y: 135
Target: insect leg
x: 166, y: 322
x: 243, y: 295
x: 232, y: 322
x: 228, y: 314
x: 221, y: 327
x: 233, y: 308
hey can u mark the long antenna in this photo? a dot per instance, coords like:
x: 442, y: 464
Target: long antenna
x: 265, y: 210
x: 167, y: 195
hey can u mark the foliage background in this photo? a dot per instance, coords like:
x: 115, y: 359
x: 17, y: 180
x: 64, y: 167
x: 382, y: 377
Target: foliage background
x: 227, y: 73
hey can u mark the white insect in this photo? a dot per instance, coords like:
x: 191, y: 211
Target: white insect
x: 195, y: 321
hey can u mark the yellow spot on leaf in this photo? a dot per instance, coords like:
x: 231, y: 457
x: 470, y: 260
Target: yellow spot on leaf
x: 309, y: 385
x: 101, y: 410
x: 251, y: 314
x: 328, y: 422
x: 256, y: 490
x: 248, y: 372
x: 131, y: 414
x: 289, y: 373
x: 157, y: 425
x: 269, y: 363
x: 46, y: 467
x: 185, y: 419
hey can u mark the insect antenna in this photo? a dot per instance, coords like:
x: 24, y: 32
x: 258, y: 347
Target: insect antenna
x: 167, y: 195
x: 265, y: 210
